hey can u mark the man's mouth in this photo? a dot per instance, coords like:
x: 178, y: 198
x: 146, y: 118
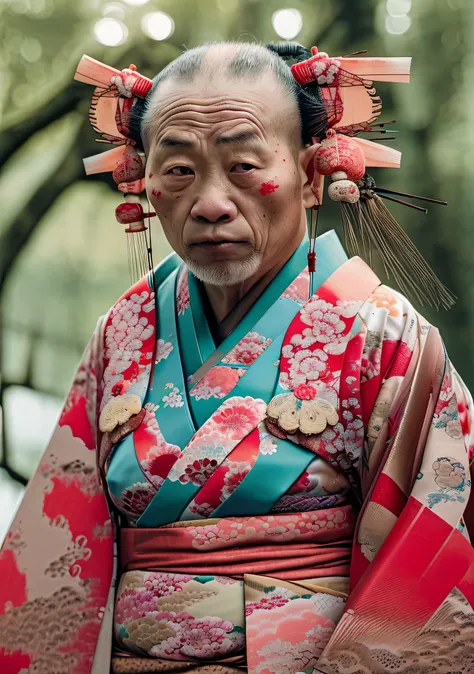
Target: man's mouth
x: 220, y: 247
x: 220, y: 242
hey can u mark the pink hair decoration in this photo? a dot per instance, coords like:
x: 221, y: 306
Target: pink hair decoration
x: 353, y: 107
x: 112, y: 100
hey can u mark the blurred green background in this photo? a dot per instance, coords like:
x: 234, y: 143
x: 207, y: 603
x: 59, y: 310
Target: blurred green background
x: 62, y: 254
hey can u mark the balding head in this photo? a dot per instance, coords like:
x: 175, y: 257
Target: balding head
x: 221, y: 66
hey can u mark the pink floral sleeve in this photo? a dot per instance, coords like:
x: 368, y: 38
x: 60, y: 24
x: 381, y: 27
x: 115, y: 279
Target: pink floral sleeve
x: 56, y: 562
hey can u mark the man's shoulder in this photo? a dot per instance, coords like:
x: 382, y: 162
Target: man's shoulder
x: 393, y: 313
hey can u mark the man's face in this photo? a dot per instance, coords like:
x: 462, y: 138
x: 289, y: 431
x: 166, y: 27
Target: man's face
x: 226, y: 176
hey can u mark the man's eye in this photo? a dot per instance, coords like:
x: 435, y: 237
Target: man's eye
x: 242, y: 168
x: 180, y: 171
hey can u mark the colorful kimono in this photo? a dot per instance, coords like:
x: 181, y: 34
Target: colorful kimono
x: 200, y: 537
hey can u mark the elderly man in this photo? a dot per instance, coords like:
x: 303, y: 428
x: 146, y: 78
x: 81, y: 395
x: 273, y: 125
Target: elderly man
x: 276, y: 449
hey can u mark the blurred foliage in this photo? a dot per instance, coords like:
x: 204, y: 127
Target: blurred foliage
x: 62, y: 256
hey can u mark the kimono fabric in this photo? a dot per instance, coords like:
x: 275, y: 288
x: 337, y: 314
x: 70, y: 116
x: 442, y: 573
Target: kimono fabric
x: 200, y: 537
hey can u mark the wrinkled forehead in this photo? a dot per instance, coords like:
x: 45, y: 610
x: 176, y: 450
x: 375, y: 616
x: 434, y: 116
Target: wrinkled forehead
x: 212, y: 103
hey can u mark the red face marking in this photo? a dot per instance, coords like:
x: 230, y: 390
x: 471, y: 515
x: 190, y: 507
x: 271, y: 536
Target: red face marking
x: 284, y: 160
x: 150, y: 175
x: 156, y: 193
x: 268, y: 188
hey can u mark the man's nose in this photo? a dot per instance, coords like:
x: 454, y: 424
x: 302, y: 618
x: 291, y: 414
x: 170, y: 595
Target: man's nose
x: 213, y: 208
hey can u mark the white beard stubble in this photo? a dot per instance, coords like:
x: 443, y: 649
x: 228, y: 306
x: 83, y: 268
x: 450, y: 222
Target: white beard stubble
x: 232, y: 274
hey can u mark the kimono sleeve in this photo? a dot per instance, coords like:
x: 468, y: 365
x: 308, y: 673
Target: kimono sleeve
x: 411, y: 600
x: 56, y: 561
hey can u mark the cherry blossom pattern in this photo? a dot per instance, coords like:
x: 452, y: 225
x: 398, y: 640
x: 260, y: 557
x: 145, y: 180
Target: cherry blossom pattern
x: 163, y: 350
x: 164, y: 584
x: 159, y: 461
x: 288, y: 634
x: 238, y: 417
x: 182, y: 295
x: 319, y: 525
x: 306, y: 351
x: 227, y: 477
x: 154, y: 615
x: 326, y: 70
x: 305, y: 366
x: 268, y: 444
x: 326, y: 325
x: 230, y: 423
x: 217, y: 383
x: 129, y: 334
x: 174, y: 635
x: 204, y: 638
x: 174, y: 398
x: 135, y: 498
x: 298, y: 290
x: 234, y: 476
x: 247, y: 350
x: 278, y: 596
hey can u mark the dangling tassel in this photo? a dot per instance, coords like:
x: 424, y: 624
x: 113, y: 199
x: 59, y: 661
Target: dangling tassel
x: 128, y: 174
x: 140, y: 257
x: 369, y: 225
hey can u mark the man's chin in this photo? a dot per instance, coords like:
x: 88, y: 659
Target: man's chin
x: 226, y: 273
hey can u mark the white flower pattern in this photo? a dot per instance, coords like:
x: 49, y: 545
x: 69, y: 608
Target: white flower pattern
x: 174, y: 398
x: 163, y: 350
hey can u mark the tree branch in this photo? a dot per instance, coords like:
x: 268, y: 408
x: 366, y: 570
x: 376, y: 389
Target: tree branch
x: 13, y: 135
x: 20, y: 230
x: 17, y: 133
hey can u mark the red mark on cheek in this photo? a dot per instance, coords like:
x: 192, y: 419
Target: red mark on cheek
x: 150, y: 175
x: 156, y: 193
x: 268, y: 188
x: 284, y: 160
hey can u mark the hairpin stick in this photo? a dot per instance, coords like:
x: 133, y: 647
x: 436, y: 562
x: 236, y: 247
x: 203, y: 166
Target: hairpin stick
x: 381, y: 131
x: 392, y: 121
x: 355, y: 53
x: 411, y: 196
x: 403, y: 203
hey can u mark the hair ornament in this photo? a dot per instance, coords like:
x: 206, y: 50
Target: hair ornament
x: 352, y: 108
x: 114, y: 94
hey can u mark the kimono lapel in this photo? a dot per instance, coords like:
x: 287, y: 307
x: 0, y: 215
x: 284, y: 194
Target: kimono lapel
x: 280, y: 461
x: 244, y: 362
x: 240, y: 415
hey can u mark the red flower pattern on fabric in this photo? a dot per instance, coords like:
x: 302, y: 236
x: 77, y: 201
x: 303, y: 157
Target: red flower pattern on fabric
x: 217, y: 383
x: 237, y: 420
x: 247, y: 350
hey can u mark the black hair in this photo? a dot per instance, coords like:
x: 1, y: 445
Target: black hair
x: 250, y: 61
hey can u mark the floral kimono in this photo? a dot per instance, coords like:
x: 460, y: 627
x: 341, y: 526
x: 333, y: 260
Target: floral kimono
x: 199, y: 536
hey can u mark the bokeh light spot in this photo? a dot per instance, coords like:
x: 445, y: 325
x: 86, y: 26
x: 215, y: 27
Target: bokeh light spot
x: 397, y: 25
x: 398, y: 8
x: 110, y: 32
x: 287, y: 23
x: 157, y: 25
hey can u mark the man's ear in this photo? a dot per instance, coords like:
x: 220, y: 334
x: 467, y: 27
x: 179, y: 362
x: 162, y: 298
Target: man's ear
x: 311, y: 180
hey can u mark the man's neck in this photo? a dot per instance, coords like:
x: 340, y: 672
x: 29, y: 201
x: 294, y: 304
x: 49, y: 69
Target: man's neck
x: 229, y: 304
